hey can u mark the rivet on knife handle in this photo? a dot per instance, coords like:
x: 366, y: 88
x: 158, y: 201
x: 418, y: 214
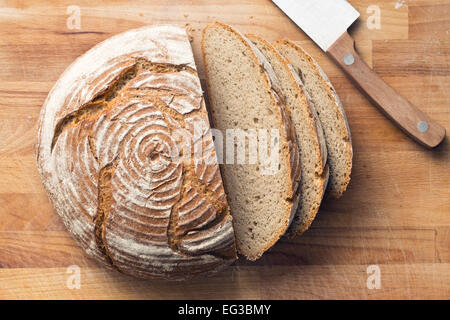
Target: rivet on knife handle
x: 405, y: 115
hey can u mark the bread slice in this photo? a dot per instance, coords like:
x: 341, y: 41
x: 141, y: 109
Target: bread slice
x: 310, y: 138
x: 330, y: 112
x: 244, y: 94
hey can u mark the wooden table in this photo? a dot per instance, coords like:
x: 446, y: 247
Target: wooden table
x: 395, y: 214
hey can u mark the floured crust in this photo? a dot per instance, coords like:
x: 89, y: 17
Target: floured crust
x: 344, y: 131
x: 300, y: 225
x: 291, y: 155
x: 107, y: 132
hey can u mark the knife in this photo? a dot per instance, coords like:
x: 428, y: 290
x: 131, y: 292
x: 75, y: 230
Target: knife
x: 326, y: 23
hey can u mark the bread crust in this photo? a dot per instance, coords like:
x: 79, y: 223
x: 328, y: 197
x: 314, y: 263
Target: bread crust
x: 291, y: 155
x: 103, y: 150
x: 344, y: 128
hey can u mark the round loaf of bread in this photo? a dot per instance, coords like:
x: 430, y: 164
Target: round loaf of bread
x: 126, y: 155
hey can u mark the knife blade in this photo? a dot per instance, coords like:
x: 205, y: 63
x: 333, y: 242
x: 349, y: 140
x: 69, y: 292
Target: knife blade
x: 326, y: 23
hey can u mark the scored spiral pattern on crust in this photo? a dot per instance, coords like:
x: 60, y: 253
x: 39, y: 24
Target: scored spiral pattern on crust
x: 131, y: 188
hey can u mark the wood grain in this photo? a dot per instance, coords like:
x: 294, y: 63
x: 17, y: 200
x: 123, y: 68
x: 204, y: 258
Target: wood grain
x: 395, y: 214
x: 429, y: 21
x: 266, y: 282
x: 423, y: 57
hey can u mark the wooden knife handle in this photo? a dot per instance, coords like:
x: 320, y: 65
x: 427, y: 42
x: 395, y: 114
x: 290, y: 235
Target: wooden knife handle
x: 405, y: 115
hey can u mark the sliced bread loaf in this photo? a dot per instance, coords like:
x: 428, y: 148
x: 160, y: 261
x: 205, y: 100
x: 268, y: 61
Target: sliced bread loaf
x: 330, y: 112
x: 245, y: 95
x: 311, y: 142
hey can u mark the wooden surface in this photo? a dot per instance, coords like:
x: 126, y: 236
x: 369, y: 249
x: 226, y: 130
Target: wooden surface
x: 395, y: 214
